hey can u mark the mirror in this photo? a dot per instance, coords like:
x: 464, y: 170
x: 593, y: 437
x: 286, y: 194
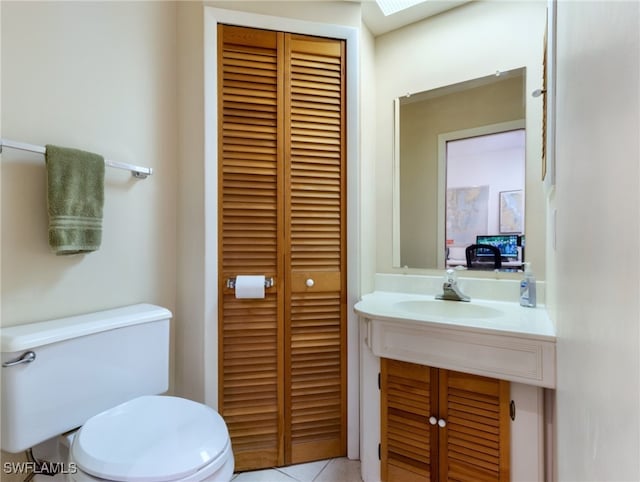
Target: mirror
x: 460, y: 166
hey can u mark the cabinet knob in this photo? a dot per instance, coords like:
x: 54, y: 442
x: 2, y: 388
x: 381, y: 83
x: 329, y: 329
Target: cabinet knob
x: 309, y: 282
x: 442, y: 423
x: 433, y: 420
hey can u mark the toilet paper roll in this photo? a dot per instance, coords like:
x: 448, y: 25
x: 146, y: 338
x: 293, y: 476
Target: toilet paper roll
x: 250, y: 286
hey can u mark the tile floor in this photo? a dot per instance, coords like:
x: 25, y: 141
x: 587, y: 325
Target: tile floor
x: 334, y: 470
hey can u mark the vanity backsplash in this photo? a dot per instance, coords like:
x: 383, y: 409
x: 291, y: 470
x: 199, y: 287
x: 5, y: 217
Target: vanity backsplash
x: 476, y: 288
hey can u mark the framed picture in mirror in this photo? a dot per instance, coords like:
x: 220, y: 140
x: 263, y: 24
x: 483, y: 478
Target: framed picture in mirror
x: 511, y: 212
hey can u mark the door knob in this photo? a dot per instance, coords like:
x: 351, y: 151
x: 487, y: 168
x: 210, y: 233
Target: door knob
x: 442, y: 423
x: 309, y: 282
x: 433, y: 420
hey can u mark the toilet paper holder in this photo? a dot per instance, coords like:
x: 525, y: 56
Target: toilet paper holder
x: 231, y: 283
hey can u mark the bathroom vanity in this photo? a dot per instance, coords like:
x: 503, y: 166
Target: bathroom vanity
x: 454, y: 386
x: 491, y: 338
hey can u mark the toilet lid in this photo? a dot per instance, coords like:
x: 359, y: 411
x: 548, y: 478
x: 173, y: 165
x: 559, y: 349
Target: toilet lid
x: 150, y: 439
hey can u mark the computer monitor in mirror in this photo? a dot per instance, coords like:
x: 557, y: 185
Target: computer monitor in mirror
x: 508, y: 244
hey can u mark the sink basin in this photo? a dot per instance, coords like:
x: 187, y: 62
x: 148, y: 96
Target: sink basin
x: 449, y: 309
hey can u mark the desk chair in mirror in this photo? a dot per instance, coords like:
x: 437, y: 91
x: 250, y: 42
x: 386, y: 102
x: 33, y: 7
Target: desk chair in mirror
x: 483, y: 256
x: 489, y: 252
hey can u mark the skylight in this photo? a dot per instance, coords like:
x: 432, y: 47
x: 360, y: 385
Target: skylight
x: 389, y: 7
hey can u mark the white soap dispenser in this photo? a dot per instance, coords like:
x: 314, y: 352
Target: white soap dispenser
x: 528, y: 288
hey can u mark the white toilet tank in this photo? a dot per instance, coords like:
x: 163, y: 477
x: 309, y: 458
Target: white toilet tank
x: 83, y: 365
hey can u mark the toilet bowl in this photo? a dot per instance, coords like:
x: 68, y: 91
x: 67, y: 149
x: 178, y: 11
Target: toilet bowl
x: 153, y: 439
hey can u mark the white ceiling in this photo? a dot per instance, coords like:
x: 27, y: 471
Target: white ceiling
x: 379, y: 24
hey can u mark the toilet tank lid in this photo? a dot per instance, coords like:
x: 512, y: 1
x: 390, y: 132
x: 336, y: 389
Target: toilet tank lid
x: 33, y: 335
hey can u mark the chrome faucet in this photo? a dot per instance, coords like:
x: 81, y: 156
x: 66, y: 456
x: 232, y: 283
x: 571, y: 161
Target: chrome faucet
x: 450, y: 289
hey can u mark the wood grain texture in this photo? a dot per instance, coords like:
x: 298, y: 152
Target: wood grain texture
x: 474, y: 444
x: 282, y: 205
x: 250, y: 355
x: 409, y: 441
x: 315, y: 331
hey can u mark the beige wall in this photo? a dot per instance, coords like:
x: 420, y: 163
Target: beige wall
x: 98, y: 76
x: 598, y: 245
x: 469, y: 42
x: 320, y: 11
x: 191, y: 295
x: 367, y: 176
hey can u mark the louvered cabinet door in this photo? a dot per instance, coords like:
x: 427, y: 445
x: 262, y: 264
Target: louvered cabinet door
x: 408, y: 448
x: 475, y: 443
x: 315, y: 265
x: 250, y: 366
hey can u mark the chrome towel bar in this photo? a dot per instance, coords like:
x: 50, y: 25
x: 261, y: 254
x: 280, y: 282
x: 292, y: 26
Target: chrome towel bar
x: 138, y: 172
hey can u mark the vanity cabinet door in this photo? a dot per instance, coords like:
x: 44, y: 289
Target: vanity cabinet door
x: 474, y: 444
x: 440, y: 425
x: 408, y: 447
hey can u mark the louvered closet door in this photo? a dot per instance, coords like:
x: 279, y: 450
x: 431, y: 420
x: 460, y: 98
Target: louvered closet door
x: 315, y: 312
x: 408, y: 450
x: 250, y: 358
x: 475, y: 444
x: 282, y: 213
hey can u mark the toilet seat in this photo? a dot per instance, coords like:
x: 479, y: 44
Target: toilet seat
x: 152, y: 439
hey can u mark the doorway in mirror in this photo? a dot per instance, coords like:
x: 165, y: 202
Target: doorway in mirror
x: 485, y: 177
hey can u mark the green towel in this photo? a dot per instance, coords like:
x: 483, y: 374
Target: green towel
x: 75, y: 192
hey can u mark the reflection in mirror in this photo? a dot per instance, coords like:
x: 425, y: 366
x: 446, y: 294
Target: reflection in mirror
x: 485, y: 197
x: 460, y: 160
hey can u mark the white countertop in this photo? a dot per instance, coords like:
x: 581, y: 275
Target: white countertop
x: 512, y: 319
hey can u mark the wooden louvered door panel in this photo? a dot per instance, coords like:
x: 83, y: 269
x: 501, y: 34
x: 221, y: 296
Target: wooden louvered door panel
x: 475, y: 444
x: 408, y: 449
x: 315, y: 225
x: 282, y: 205
x: 250, y: 165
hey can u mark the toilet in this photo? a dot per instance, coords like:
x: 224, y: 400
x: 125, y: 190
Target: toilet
x: 97, y: 378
